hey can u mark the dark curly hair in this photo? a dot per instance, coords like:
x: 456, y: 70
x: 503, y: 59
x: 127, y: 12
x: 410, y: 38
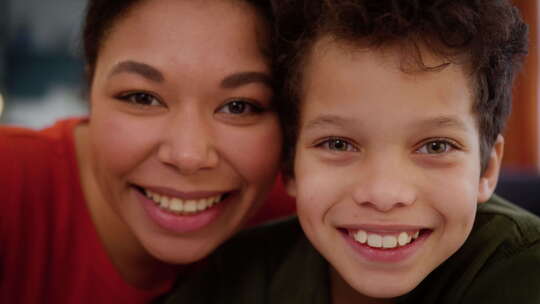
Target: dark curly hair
x: 489, y: 34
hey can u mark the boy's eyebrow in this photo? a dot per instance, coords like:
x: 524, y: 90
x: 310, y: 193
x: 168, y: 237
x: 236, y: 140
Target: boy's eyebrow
x: 138, y: 68
x: 328, y: 119
x: 443, y: 122
x: 340, y: 121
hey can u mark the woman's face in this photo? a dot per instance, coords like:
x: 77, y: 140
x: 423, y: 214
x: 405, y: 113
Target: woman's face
x: 184, y: 139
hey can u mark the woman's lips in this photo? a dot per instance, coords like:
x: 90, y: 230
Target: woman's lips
x: 181, y: 215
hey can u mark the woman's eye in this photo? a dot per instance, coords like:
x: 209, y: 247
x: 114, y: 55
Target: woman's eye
x: 436, y: 147
x: 337, y: 144
x: 141, y: 99
x: 239, y: 107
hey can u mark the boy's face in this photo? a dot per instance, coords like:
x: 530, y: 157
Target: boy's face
x: 386, y: 159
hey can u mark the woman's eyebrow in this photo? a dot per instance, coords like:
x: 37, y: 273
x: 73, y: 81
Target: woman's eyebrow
x: 243, y: 78
x: 138, y: 68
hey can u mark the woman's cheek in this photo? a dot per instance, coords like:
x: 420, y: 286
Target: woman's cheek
x: 255, y: 151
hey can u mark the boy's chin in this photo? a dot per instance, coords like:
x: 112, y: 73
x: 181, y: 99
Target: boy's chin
x: 381, y: 289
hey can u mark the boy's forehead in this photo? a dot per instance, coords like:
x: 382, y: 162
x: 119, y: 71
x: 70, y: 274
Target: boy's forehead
x: 330, y: 51
x: 349, y: 67
x: 408, y: 56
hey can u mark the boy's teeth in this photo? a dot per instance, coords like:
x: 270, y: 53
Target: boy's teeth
x: 384, y: 241
x: 177, y: 205
x: 374, y: 240
x: 389, y: 241
x: 404, y: 238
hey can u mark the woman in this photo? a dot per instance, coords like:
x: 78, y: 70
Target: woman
x: 181, y: 146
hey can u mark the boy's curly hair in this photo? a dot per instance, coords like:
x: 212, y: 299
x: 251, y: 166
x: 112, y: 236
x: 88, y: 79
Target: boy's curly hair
x: 489, y: 36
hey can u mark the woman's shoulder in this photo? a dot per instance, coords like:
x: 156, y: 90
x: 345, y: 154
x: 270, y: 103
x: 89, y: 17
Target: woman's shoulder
x: 18, y: 142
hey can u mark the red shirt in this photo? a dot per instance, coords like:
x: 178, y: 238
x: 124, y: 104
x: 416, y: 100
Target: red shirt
x: 49, y: 248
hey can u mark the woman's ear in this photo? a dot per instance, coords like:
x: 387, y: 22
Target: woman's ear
x: 490, y: 176
x: 290, y: 185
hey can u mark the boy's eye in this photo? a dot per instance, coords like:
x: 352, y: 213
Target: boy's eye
x: 337, y: 144
x: 240, y: 107
x: 141, y: 99
x: 436, y: 147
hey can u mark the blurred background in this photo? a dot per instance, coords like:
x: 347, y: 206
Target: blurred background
x: 41, y: 73
x: 42, y: 80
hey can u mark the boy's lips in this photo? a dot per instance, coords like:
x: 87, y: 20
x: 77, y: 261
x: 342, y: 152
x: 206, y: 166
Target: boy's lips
x: 385, y: 243
x: 386, y: 239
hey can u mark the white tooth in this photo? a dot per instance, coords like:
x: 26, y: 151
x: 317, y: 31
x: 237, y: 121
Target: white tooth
x: 416, y: 234
x: 216, y: 199
x: 176, y: 205
x: 374, y: 240
x: 360, y: 236
x: 202, y: 204
x: 404, y: 239
x: 164, y: 202
x: 190, y: 206
x: 147, y: 193
x: 389, y: 241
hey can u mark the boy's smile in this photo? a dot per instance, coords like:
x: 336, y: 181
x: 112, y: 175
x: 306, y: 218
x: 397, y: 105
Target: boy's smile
x: 387, y: 168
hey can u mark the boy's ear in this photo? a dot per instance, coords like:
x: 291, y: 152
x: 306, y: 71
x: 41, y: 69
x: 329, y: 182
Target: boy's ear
x: 290, y: 185
x: 488, y: 180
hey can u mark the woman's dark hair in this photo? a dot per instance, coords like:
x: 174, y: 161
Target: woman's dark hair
x: 488, y: 36
x: 102, y: 15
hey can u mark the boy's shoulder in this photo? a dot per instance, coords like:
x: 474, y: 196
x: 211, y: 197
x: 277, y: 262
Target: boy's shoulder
x: 498, y: 263
x: 519, y: 226
x: 271, y: 263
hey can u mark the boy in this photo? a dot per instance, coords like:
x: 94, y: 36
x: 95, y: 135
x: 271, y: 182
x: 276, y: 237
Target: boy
x: 398, y: 145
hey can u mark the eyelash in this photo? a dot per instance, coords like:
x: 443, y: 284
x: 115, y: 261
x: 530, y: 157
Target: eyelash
x: 327, y: 144
x: 254, y: 108
x: 128, y: 98
x: 450, y: 146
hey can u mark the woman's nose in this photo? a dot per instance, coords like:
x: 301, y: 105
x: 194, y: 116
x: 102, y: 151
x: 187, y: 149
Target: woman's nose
x: 188, y: 145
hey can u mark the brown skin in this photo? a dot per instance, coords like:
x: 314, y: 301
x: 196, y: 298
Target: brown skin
x: 386, y: 152
x: 189, y: 55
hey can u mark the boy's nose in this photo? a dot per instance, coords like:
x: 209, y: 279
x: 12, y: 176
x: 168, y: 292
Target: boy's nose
x: 188, y: 145
x: 384, y: 185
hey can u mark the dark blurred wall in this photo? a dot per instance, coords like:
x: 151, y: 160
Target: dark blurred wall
x: 41, y: 72
x: 4, y: 23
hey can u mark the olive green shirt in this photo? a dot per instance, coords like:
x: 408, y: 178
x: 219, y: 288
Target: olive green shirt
x: 276, y: 264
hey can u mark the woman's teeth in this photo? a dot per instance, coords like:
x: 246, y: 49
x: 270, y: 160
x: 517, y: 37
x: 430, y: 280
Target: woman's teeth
x: 176, y: 205
x: 384, y: 241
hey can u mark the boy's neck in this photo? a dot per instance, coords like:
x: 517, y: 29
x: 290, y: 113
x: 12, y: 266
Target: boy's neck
x: 342, y: 293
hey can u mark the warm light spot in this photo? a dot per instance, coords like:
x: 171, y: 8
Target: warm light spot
x: 1, y: 104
